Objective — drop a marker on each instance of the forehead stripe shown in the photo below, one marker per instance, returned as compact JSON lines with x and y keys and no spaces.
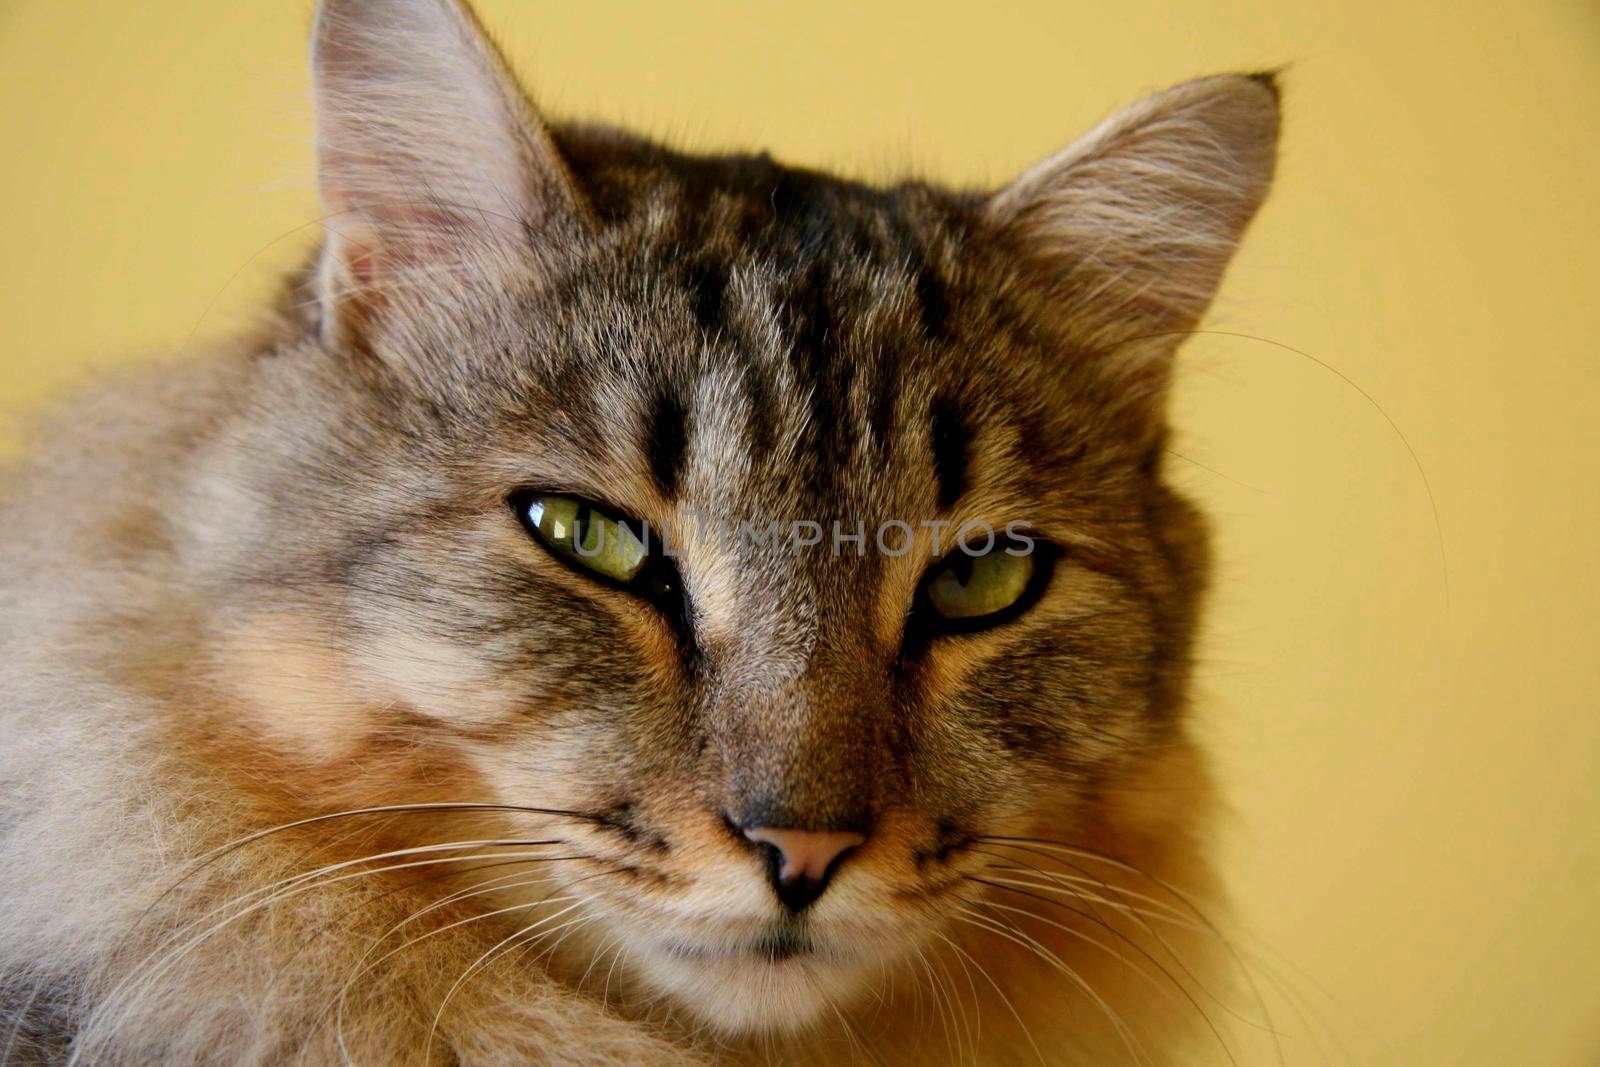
{"x":950,"y":454}
{"x":666,"y":438}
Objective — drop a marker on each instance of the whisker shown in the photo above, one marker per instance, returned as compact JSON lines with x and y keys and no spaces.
{"x":283,"y":889}
{"x":940,"y":1002}
{"x":1084,"y":853}
{"x":1012,"y":1008}
{"x":570,"y":927}
{"x":861,"y":1053}
{"x":1011,"y":886}
{"x":205,"y":859}
{"x":500,"y":883}
{"x":1171,"y":980}
{"x":362,"y":967}
{"x":472,"y":968}
{"x":1112,"y":861}
{"x":295,"y":880}
{"x":1082,"y":877}
{"x":1051,"y":885}
{"x":620,"y":954}
{"x":304,"y":881}
{"x":1020,"y":938}
{"x":478,"y":917}
{"x":1139,"y":915}
{"x":977,"y":1008}
{"x":1030,"y":866}
{"x":595,"y":957}
{"x":1177,"y":894}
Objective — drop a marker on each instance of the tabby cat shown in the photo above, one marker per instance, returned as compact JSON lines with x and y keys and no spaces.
{"x":632,"y":607}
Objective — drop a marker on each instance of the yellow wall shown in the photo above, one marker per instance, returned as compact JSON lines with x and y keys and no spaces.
{"x":1417,"y":827}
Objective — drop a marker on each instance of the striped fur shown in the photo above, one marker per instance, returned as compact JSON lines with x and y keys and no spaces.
{"x":257,"y":587}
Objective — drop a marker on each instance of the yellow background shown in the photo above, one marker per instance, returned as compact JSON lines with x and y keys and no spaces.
{"x":1416,"y":836}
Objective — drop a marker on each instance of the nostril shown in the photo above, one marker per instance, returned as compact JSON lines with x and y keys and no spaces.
{"x":806,"y":860}
{"x":799,"y":894}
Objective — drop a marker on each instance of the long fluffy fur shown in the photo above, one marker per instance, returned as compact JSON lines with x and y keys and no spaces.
{"x":311,"y":756}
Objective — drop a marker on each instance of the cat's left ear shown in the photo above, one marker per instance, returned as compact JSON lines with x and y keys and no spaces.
{"x":431,"y":160}
{"x":1125,"y":233}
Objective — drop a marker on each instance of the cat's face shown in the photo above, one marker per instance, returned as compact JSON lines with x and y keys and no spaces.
{"x":802,"y":384}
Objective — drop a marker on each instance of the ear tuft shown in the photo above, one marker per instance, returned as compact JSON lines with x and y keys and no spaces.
{"x":1127,"y":232}
{"x":1268,"y":79}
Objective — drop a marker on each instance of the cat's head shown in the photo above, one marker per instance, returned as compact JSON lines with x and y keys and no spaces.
{"x":786,"y":735}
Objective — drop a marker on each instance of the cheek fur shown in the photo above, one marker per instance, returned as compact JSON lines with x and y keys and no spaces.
{"x":294,"y":686}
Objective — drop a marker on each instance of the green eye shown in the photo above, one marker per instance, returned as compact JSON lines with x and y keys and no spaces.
{"x":968,"y":588}
{"x":585,"y":536}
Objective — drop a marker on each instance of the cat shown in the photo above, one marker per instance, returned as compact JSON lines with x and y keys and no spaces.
{"x":369,"y":696}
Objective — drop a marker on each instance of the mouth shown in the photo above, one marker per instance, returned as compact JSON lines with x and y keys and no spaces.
{"x":777,"y":977}
{"x":777,"y":944}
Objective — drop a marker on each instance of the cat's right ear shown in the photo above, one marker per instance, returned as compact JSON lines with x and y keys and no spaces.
{"x":1125,"y":234}
{"x":431,"y":161}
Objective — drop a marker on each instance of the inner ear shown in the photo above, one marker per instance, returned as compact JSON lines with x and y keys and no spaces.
{"x":1127,"y":231}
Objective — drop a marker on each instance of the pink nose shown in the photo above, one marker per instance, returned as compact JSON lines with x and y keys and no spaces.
{"x":806,"y":854}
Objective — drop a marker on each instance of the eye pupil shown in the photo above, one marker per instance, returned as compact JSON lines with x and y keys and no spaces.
{"x":962,"y":566}
{"x":589,"y":538}
{"x":588,"y":534}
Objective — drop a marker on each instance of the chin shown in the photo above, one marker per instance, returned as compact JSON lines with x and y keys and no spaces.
{"x":780,"y":981}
